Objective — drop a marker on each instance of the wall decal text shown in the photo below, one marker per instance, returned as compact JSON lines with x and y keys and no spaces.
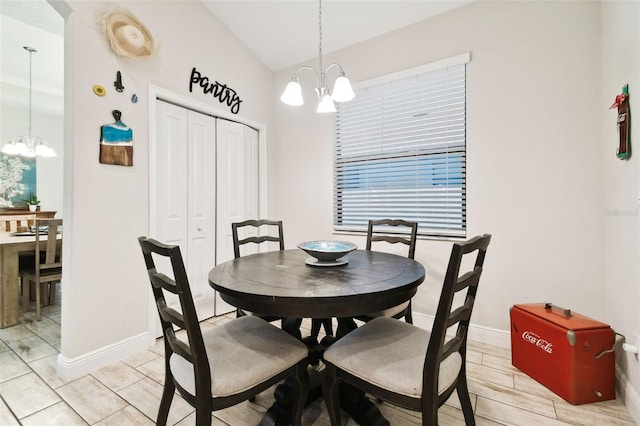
{"x":221,"y":91}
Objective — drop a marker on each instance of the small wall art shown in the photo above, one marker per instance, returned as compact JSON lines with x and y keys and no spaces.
{"x":116,"y":142}
{"x":623,"y":121}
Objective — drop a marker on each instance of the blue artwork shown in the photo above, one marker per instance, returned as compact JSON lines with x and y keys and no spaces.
{"x":116,"y":142}
{"x":17,"y":179}
{"x":116,"y":133}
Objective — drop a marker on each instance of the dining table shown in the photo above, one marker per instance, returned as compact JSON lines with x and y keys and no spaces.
{"x":289,"y":284}
{"x":11,"y":246}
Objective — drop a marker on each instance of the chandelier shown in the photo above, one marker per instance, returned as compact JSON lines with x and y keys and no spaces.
{"x":28,"y":146}
{"x":342,"y":91}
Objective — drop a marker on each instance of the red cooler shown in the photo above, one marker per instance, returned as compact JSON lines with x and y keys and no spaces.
{"x":570,"y":354}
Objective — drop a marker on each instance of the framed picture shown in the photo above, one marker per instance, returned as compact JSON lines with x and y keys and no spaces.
{"x":17,"y":180}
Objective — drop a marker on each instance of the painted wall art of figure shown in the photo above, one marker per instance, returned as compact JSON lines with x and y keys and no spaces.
{"x":116,"y":142}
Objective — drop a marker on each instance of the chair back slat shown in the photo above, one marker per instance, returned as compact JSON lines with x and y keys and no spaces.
{"x":441,"y":345}
{"x":393,"y":231}
{"x":50,"y":247}
{"x":258,"y":240}
{"x":263,"y":226}
{"x":160,"y":280}
{"x":171,"y":315}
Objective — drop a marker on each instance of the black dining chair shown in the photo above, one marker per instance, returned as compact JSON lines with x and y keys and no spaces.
{"x":392,"y":231}
{"x":261,"y":231}
{"x":223,"y":365}
{"x":406,"y":365}
{"x":264,"y":231}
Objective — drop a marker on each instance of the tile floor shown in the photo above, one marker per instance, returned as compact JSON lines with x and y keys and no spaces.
{"x":128,"y":393}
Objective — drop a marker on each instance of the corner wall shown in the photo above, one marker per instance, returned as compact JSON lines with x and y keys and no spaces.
{"x":621,"y":213}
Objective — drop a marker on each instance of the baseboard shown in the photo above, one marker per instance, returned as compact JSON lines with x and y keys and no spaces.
{"x":477,"y":333}
{"x":628,"y":395}
{"x":73,"y":368}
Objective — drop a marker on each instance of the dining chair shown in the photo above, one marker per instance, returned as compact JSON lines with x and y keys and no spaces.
{"x":392,"y":231}
{"x":46,"y":269}
{"x":261,"y":231}
{"x":406,"y":365}
{"x":16,"y":223}
{"x":264,"y":231}
{"x":223,"y":365}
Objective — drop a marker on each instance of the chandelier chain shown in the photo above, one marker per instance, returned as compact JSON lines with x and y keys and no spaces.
{"x":320,"y":33}
{"x":30,"y":72}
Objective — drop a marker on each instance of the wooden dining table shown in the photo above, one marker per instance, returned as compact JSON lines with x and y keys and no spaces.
{"x":282,"y":284}
{"x":11,"y":245}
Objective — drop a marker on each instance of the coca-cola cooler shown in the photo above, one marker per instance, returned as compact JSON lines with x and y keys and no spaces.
{"x":569,"y":353}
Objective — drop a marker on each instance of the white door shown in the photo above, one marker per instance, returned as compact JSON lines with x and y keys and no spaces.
{"x":203,"y":168}
{"x":237,"y":189}
{"x":184,"y":209}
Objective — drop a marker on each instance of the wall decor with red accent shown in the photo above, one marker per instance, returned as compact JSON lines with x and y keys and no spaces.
{"x":621,"y":103}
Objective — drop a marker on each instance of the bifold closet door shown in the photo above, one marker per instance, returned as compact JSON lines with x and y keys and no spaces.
{"x":237,"y":187}
{"x":184,"y":173}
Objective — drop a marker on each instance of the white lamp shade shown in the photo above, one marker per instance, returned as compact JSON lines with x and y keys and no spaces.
{"x":292,"y":94}
{"x":342,"y":91}
{"x":10,"y":149}
{"x":44,"y":150}
{"x":22,"y":146}
{"x":326,"y":104}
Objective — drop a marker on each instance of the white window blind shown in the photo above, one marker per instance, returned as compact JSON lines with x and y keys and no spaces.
{"x":399,"y":153}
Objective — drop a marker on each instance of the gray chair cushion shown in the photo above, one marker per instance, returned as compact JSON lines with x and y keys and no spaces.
{"x":242,"y":353}
{"x":390,"y":354}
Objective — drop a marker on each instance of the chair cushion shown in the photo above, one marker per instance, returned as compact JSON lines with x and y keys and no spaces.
{"x":242,"y":353}
{"x":390,"y":354}
{"x":391,"y":312}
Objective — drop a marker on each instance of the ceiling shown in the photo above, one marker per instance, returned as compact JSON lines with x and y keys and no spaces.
{"x":36,"y":24}
{"x":282,"y":33}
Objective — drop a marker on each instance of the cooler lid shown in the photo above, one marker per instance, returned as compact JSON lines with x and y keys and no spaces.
{"x":561,"y":317}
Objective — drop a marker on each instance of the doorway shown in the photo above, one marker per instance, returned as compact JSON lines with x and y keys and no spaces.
{"x":206,"y":170}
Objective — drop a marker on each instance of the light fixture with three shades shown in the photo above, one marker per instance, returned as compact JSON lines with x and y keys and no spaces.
{"x":342,"y":91}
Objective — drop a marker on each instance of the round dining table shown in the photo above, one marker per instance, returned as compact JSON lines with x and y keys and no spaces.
{"x":290,"y":284}
{"x":281,"y":283}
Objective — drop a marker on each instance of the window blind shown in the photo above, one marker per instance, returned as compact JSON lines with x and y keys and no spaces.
{"x":399,"y":153}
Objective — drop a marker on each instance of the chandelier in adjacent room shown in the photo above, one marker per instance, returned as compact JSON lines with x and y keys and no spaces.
{"x":27,"y":145}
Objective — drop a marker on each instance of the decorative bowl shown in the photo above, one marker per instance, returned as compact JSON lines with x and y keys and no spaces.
{"x":327,"y":250}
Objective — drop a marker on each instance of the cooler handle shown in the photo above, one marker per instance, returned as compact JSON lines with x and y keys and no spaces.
{"x":566,"y":312}
{"x":615,"y":342}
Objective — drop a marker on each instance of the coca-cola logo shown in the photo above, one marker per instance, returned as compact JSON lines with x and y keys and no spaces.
{"x":537,"y":341}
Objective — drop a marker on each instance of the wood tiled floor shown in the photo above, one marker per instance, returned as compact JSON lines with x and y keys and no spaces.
{"x":128,"y":393}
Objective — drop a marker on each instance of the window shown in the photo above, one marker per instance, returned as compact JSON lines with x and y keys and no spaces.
{"x":400,"y":151}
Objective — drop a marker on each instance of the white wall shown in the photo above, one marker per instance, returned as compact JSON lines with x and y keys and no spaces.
{"x":621,"y":65}
{"x":533,"y":157}
{"x":107,"y":206}
{"x":539,"y":176}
